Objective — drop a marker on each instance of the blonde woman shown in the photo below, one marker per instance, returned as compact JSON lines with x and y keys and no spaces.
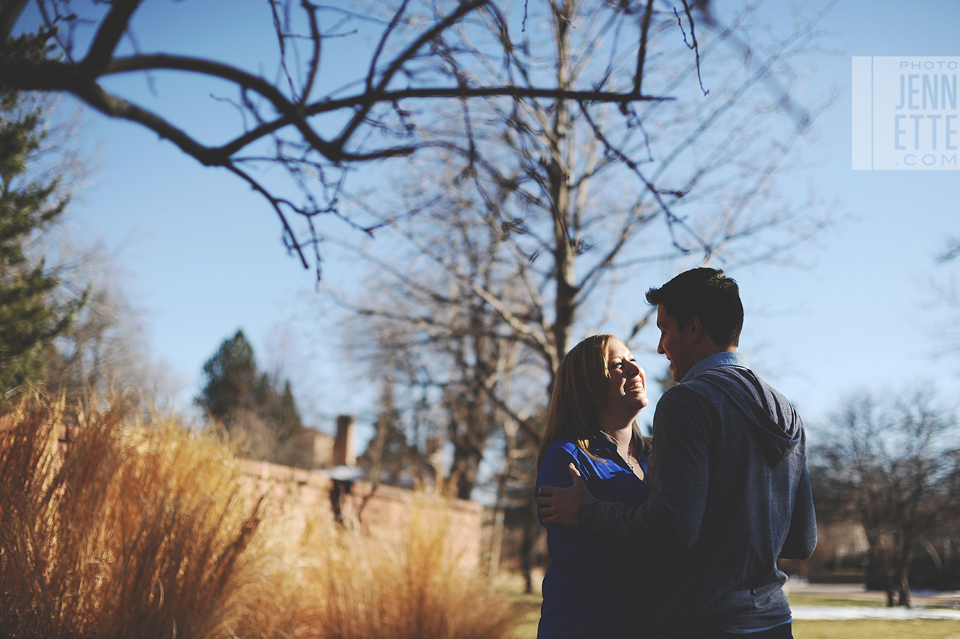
{"x":595,"y":587}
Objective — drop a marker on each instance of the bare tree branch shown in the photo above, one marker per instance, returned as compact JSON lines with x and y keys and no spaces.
{"x":109,"y":34}
{"x":410,"y":48}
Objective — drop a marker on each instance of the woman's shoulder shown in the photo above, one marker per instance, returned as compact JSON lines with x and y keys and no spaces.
{"x":560,"y":454}
{"x":562,"y":450}
{"x":553,"y":469}
{"x":568,"y":445}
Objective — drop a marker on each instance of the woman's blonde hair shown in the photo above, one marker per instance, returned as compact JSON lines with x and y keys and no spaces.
{"x":578,"y":390}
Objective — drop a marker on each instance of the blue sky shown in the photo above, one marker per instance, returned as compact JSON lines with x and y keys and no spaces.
{"x":204,"y":257}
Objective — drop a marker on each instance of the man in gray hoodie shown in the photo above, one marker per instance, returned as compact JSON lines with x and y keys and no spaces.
{"x":733,"y":493}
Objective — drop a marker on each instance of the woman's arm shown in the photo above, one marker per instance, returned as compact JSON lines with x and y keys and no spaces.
{"x":553,"y":470}
{"x":581,"y":552}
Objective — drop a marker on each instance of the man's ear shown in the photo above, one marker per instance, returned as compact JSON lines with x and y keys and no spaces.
{"x":694,"y":328}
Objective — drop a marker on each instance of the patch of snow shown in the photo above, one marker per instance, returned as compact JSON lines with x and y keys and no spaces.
{"x":835,"y":613}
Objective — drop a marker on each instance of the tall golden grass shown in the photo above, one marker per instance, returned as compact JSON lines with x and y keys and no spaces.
{"x":340,"y":585}
{"x":133,"y":532}
{"x":147,"y":529}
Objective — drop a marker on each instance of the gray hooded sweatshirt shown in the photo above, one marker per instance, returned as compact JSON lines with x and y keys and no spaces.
{"x":733,"y":494}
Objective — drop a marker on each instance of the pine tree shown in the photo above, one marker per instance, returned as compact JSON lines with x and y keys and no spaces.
{"x":247,"y":401}
{"x":389,"y":458}
{"x":233,"y":382}
{"x":30,"y":315}
{"x":286,"y":418}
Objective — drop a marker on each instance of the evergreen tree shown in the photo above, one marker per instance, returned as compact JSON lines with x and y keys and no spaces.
{"x":247,"y":401}
{"x":286,"y":418}
{"x":389,"y":457}
{"x":30,"y":315}
{"x":233,"y":382}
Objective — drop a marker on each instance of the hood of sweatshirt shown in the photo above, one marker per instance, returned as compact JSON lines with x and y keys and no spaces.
{"x":772,"y":418}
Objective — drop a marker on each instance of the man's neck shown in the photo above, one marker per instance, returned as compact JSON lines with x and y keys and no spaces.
{"x":717,"y":358}
{"x":709,"y":348}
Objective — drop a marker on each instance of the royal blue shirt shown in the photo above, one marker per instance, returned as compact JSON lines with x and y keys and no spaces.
{"x":594,"y":587}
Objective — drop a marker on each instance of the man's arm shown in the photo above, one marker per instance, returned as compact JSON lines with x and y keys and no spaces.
{"x":801,"y":539}
{"x":673,"y":516}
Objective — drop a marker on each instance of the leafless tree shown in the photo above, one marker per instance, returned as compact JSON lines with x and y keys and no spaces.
{"x":440,"y":339}
{"x":554,"y":208}
{"x":560,"y":205}
{"x":106,"y":350}
{"x":890,"y":465}
{"x":425,"y":53}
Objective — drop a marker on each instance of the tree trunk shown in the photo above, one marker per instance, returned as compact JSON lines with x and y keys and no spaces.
{"x":903,"y":572}
{"x":530,"y":533}
{"x":468,"y":429}
{"x":904,"y":598}
{"x":558,"y":173}
{"x":878,"y":574}
{"x":497,"y":542}
{"x":463,"y":471}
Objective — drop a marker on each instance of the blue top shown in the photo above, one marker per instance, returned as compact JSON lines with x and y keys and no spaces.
{"x":594,"y":587}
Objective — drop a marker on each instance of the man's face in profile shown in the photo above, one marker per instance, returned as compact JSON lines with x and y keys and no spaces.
{"x":674,"y":343}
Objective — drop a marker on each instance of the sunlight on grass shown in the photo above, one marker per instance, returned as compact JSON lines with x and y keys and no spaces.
{"x":529,"y":610}
{"x":354,"y":587}
{"x":134,"y":531}
{"x":144,"y":528}
{"x":877,"y":629}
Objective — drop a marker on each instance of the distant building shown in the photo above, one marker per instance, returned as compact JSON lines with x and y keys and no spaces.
{"x":322,"y":446}
{"x":328,"y":451}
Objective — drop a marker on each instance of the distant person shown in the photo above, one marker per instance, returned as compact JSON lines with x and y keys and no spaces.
{"x":595,"y":587}
{"x":733,"y":492}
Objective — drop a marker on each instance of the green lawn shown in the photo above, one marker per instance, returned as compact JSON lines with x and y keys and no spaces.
{"x":872,"y":629}
{"x":859,"y":629}
{"x":530,"y":605}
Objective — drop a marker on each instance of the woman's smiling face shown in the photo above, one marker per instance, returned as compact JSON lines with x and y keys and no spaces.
{"x":627,"y":381}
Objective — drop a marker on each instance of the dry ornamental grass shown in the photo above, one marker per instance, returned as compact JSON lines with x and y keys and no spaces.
{"x":145,"y":529}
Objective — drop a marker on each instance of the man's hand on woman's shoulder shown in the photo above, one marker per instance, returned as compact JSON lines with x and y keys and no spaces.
{"x":559,"y":506}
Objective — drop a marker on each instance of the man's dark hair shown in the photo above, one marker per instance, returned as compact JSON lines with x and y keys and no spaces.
{"x":707,"y":294}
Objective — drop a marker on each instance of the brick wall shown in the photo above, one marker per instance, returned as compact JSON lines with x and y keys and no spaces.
{"x":382,"y":512}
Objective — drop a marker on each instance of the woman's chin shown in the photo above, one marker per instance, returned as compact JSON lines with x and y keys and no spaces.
{"x":639,"y":401}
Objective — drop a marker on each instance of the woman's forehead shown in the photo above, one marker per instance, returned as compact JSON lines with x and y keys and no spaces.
{"x":616,"y":348}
